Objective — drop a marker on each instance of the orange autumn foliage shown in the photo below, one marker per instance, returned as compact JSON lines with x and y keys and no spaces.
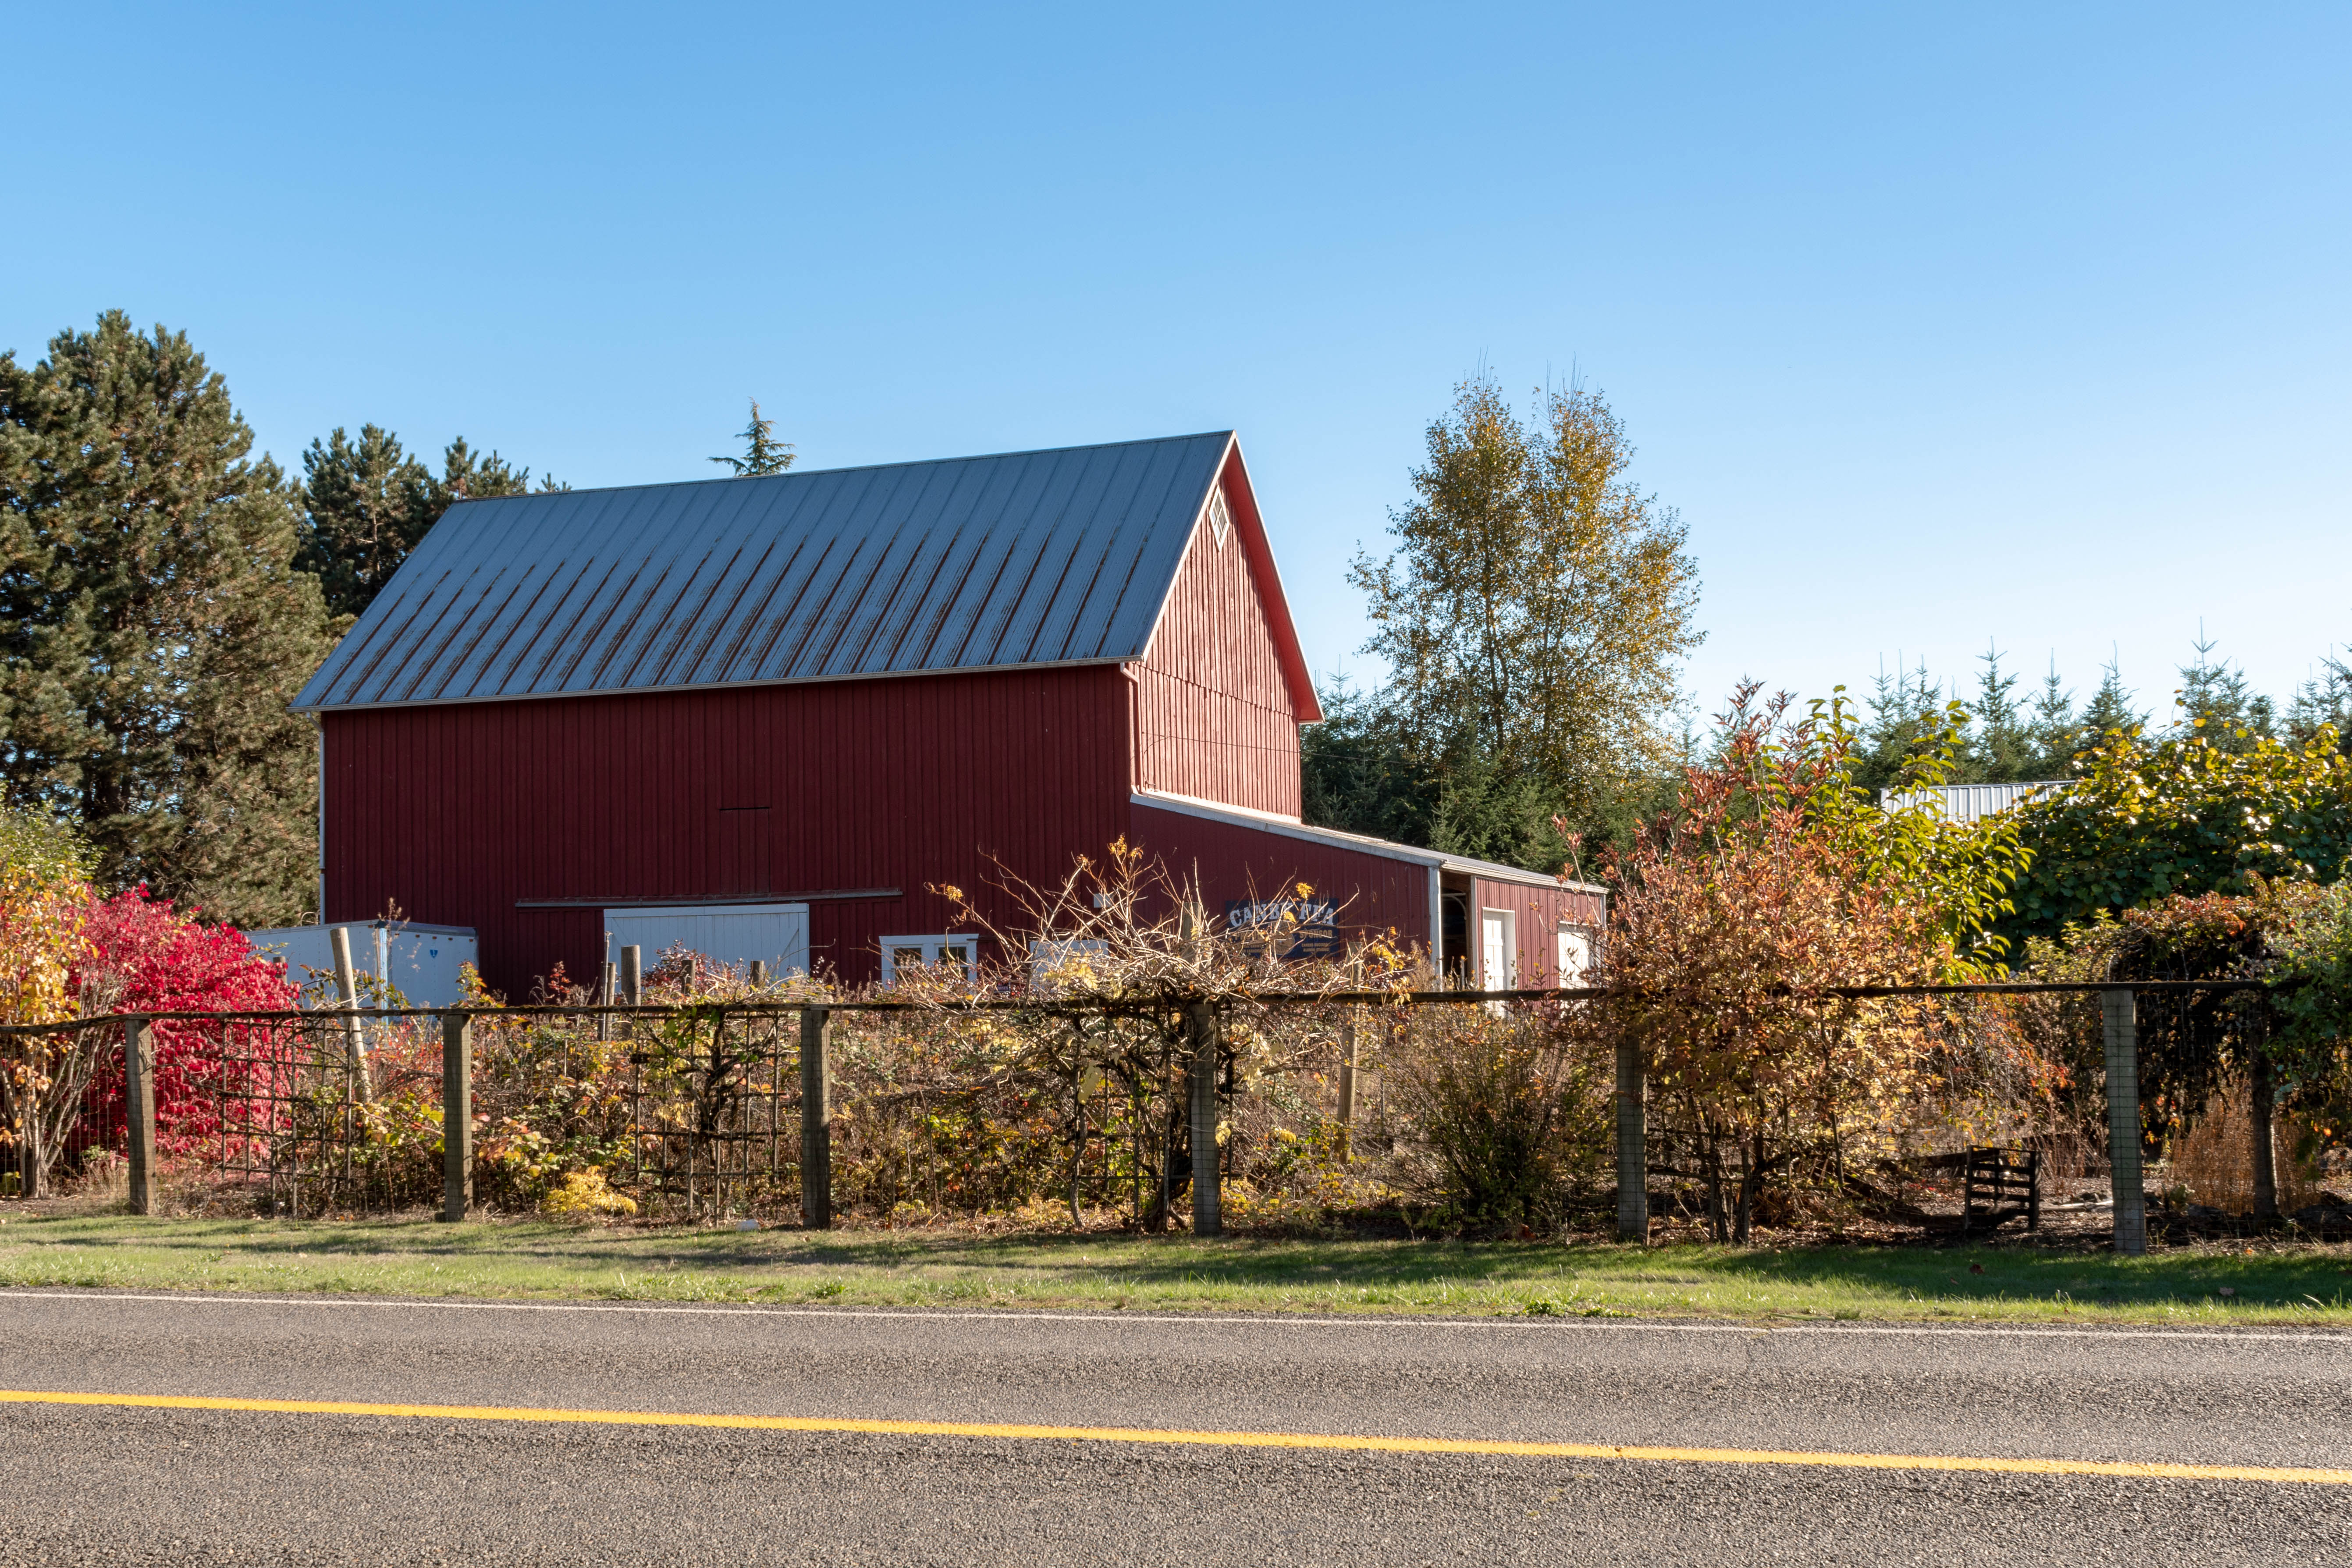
{"x":1730,"y":919}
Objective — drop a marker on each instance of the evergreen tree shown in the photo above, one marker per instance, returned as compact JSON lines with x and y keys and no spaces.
{"x":468,"y":475}
{"x":2323,"y":701}
{"x":1904,"y":707}
{"x":365,"y":507}
{"x":1362,"y":771}
{"x":2219,"y":702}
{"x":153,"y":625}
{"x":366,"y":504}
{"x":2110,"y":710}
{"x":2053,"y":732}
{"x":762,"y":453}
{"x":2001,"y":748}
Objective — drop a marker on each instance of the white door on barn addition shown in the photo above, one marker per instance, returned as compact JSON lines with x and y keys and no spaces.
{"x":1497,"y":953}
{"x":732,"y":934}
{"x":1575,"y":955}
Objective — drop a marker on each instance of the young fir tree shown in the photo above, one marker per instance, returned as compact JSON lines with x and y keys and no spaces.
{"x":1902,"y":707}
{"x":2053,"y":731}
{"x":1362,"y":771}
{"x":153,"y":625}
{"x":2110,"y":709}
{"x":2323,"y":701}
{"x":366,"y":504}
{"x":2000,"y":747}
{"x":2219,"y":702}
{"x":1365,"y":770}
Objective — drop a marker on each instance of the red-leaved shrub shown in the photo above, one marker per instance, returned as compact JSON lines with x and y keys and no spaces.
{"x":146,"y":957}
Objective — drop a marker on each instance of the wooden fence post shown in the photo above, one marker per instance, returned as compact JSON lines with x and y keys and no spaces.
{"x":1207,"y":1211}
{"x":138,"y":1109}
{"x":608,"y":992}
{"x":1632,"y":1147}
{"x":759,"y":977}
{"x":456,"y":1116}
{"x":339,"y":941}
{"x":2121,"y":1016}
{"x":1348,"y":1084}
{"x":633,"y":975}
{"x":816,"y":1120}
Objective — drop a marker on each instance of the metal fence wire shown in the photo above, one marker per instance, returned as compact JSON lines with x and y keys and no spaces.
{"x":696,"y":1111}
{"x":303,"y":1116}
{"x":693,"y":1113}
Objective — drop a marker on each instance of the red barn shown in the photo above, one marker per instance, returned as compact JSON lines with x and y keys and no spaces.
{"x":765,"y":716}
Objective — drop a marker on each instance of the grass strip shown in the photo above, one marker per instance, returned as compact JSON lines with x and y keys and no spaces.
{"x":2273,"y":1284}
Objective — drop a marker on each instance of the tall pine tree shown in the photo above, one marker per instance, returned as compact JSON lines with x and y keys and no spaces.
{"x":366,"y":504}
{"x":153,"y":625}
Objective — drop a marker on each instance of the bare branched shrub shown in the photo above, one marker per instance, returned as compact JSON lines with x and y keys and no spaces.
{"x":1506,"y":1118}
{"x":1164,"y":986}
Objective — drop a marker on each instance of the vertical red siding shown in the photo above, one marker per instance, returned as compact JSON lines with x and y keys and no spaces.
{"x":455,"y":812}
{"x":1377,"y":894}
{"x":1215,"y":717}
{"x":1541,"y":913}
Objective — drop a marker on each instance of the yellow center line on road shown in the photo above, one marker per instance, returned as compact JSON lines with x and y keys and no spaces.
{"x":2132,"y":1469}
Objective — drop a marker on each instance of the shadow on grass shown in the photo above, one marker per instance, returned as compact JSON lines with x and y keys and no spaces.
{"x":2306,"y":1276}
{"x":1958,"y":1279}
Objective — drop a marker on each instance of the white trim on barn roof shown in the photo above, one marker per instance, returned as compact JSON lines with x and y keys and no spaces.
{"x":1291,"y":828}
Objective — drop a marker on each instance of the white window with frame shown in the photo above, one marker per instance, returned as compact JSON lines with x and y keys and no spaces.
{"x":1498,"y":949}
{"x":1573,"y":949}
{"x":1221,"y":517}
{"x":929,"y":952}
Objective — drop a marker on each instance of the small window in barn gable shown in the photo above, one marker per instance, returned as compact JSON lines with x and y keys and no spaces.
{"x":1221,"y":517}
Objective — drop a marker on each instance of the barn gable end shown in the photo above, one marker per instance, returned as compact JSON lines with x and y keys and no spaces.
{"x":1222,"y":689}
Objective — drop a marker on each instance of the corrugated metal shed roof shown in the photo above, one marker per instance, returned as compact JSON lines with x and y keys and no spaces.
{"x":1026,"y":558}
{"x":1970,"y":803}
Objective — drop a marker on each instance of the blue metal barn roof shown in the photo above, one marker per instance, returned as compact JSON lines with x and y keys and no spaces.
{"x":1026,"y":558}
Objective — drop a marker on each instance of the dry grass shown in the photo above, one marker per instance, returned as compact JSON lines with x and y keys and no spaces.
{"x":2215,"y":1159}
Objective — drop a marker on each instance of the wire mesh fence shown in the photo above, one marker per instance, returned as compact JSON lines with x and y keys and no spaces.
{"x":692,"y":1114}
{"x":688,"y":1113}
{"x":1498,"y":1115}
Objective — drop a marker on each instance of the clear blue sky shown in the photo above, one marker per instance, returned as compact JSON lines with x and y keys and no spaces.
{"x":2026,"y":324}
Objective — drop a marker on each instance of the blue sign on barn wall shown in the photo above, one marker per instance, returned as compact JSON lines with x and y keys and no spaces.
{"x":1299,"y":927}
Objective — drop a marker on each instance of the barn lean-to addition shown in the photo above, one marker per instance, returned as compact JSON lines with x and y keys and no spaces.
{"x":767,"y":716}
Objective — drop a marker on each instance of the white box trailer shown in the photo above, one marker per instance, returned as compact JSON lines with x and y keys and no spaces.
{"x":418,"y":962}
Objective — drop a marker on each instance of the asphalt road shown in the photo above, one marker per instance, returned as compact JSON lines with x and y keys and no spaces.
{"x":111,"y":1484}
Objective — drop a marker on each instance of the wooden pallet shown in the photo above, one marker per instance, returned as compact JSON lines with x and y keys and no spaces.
{"x":2003,"y":1184}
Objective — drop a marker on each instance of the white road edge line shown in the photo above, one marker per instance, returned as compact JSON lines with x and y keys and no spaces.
{"x":1013,"y":1315}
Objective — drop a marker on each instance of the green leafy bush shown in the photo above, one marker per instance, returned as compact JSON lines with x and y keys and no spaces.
{"x":2187,"y":814}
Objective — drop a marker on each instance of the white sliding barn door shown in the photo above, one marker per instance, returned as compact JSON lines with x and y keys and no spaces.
{"x":732,"y":934}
